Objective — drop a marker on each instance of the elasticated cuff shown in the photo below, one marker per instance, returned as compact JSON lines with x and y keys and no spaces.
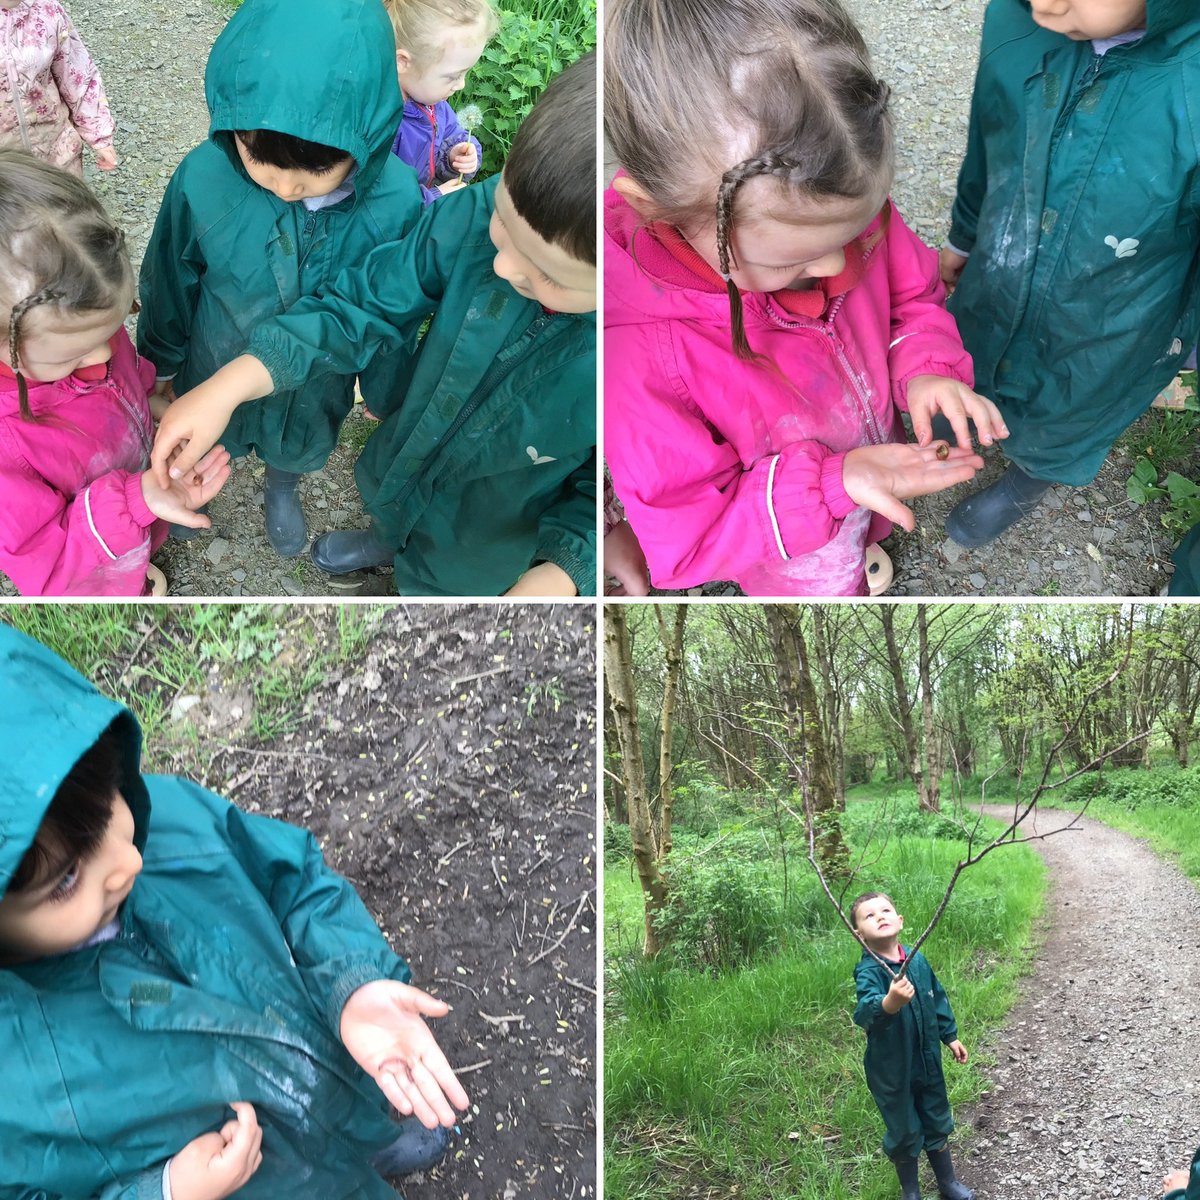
{"x":833,"y":488}
{"x":136,"y":502}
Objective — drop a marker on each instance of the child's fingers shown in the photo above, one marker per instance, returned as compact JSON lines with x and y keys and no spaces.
{"x":431,"y":1093}
{"x":922,"y":424}
{"x":427,"y":1005}
{"x":888,"y":506}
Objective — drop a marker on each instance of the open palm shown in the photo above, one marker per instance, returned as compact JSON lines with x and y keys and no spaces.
{"x":383,"y":1027}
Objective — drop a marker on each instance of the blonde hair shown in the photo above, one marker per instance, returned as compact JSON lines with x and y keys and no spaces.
{"x":418,"y":24}
{"x":790,"y":80}
{"x":57,"y":247}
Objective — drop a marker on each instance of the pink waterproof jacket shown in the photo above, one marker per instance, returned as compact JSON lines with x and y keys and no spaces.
{"x":51,"y":96}
{"x":732,"y":470}
{"x":73,"y":521}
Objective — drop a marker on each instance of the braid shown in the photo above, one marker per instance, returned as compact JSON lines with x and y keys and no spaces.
{"x":45,"y":296}
{"x":761,"y":164}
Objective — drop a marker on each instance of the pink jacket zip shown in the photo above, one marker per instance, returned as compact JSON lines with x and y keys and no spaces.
{"x":729,"y":470}
{"x":73,"y":521}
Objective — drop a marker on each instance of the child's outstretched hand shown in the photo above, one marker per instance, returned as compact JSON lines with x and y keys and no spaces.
{"x":383,"y":1028}
{"x":1176,"y":1181}
{"x":464,"y":158}
{"x":958,"y":1050}
{"x":191,"y":426}
{"x":178,"y":501}
{"x":879,"y":477}
{"x":898,"y":995}
{"x":106,"y":157}
{"x":928,"y":394}
{"x":950,"y":266}
{"x":216,"y":1165}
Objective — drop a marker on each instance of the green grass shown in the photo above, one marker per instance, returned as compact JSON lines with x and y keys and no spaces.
{"x":280,"y":653}
{"x":751,"y":1083}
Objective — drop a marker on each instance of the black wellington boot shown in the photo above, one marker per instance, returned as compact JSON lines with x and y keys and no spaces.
{"x":985,"y":515}
{"x":346,"y":550}
{"x":943,"y":1169}
{"x":416,"y":1149}
{"x":910,"y":1187}
{"x":285,"y":517}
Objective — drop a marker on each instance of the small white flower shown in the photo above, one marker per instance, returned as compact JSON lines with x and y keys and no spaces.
{"x":1125,"y":248}
{"x":537,"y":458}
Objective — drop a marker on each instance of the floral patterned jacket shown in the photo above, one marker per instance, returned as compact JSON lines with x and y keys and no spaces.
{"x":51,"y":95}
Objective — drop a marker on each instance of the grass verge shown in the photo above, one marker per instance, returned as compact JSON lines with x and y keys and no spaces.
{"x":750,"y":1083}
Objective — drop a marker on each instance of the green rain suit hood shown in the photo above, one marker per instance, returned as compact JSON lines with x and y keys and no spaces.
{"x":1079,"y":202}
{"x":904,"y":1055}
{"x":227,"y":255}
{"x":236,"y":951}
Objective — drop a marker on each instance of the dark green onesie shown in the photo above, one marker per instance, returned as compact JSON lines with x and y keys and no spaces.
{"x":904,"y":1056}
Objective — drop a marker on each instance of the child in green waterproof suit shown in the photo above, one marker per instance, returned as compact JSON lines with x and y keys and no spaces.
{"x":1074,"y":245}
{"x":906,"y":1020}
{"x":481,"y":478}
{"x":164,"y":958}
{"x":295,"y":183}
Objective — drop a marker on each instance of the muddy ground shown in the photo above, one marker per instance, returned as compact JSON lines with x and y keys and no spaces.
{"x":1093,"y":1092}
{"x":450,"y":776}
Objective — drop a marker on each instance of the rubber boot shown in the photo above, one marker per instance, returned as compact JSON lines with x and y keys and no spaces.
{"x":910,"y":1187}
{"x":943,"y":1170}
{"x":416,"y":1149}
{"x":185,"y":533}
{"x":156,"y":582}
{"x":984,"y":516}
{"x":347,"y":550}
{"x":285,"y":517}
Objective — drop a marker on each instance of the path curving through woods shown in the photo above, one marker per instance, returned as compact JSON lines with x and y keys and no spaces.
{"x":1096,"y":1086}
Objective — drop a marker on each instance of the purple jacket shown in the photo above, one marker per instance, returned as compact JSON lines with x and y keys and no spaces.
{"x":73,"y":521}
{"x":424,"y":140}
{"x":729,"y":470}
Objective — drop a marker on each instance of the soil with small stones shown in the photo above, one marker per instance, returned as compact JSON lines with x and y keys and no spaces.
{"x":152,"y":55}
{"x":1094,"y":1092}
{"x":450,"y":776}
{"x":1089,"y":541}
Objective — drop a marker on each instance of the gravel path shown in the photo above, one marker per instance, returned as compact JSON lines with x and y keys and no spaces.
{"x":1093,"y":1094}
{"x":152,"y":54}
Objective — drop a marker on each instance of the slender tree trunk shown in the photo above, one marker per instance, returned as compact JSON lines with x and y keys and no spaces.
{"x":618,"y":675}
{"x":802,"y":718}
{"x":912,"y":749}
{"x":931,"y":800}
{"x":672,"y":643}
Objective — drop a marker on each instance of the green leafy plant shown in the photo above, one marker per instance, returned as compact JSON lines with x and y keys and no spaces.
{"x":529,"y":49}
{"x":1163,"y":441}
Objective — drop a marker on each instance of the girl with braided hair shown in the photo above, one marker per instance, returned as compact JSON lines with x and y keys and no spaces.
{"x":80,"y":514}
{"x":768,"y":313}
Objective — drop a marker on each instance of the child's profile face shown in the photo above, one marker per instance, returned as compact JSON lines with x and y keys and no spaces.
{"x":780,"y":241}
{"x":877,"y":922}
{"x":291,"y":185}
{"x":66,"y":905}
{"x":55,"y":344}
{"x":1083,"y":20}
{"x":458,"y":50}
{"x":535,"y":268}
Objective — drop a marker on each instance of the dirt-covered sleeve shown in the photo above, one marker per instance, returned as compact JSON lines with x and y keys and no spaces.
{"x":868,"y":1013}
{"x":334,"y":940}
{"x":567,"y":530}
{"x":170,"y":280}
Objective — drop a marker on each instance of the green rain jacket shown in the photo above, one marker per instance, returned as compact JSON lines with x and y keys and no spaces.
{"x":906,"y":1045}
{"x":1079,"y":202}
{"x":238,"y":948}
{"x":227,"y":255}
{"x":1192,"y":1191}
{"x":485,"y":464}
